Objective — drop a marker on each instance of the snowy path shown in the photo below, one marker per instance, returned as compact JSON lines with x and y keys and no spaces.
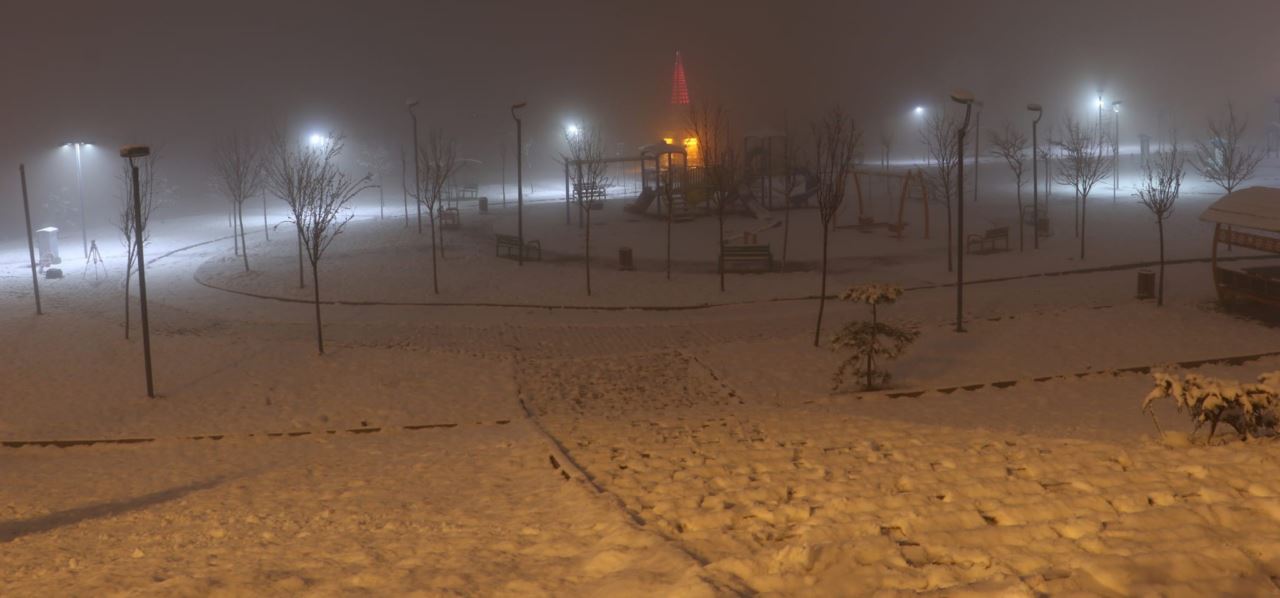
{"x":443,"y":513}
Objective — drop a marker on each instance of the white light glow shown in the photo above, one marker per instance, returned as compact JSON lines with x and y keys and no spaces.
{"x":317,"y":139}
{"x":572,"y":130}
{"x":919,"y":109}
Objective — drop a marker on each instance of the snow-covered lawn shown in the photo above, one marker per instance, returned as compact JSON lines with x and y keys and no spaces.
{"x":686,"y":452}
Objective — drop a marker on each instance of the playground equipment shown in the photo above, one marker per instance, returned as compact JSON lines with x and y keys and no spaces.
{"x":464,"y":184}
{"x":765,"y":154}
{"x":668,"y":181}
{"x":912,"y":187}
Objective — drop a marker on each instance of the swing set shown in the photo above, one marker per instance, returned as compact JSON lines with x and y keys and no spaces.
{"x":913,"y":188}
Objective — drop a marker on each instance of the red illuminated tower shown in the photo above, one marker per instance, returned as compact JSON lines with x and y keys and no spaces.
{"x":679,"y":90}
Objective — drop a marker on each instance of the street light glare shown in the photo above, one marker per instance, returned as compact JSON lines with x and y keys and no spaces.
{"x":919,"y":109}
{"x":317,"y":139}
{"x":572,"y":130}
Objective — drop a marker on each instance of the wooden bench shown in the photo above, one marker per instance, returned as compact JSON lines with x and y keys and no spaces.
{"x":450,"y":218}
{"x":591,"y":196}
{"x":987,"y":241}
{"x":511,"y":243}
{"x":746,"y":254}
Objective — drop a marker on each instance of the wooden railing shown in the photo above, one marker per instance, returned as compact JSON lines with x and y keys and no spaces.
{"x":1251,"y":286}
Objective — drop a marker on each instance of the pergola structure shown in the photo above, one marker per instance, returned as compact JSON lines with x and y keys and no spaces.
{"x":1256,"y":209}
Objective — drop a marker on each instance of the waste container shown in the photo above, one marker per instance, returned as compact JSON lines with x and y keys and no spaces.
{"x":1146,"y":284}
{"x":484,"y":205}
{"x":47,"y":245}
{"x":625,"y":261}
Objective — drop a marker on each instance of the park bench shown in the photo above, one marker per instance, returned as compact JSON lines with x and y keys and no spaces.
{"x":748,"y":255}
{"x":591,"y":196}
{"x":987,"y":241}
{"x":511,"y":245}
{"x":450,"y":218}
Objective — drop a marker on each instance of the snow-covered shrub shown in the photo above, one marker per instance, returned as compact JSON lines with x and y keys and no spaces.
{"x":1250,"y":408}
{"x":869,"y":342}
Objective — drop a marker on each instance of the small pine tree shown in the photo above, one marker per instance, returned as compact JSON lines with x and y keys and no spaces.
{"x":870,"y":343}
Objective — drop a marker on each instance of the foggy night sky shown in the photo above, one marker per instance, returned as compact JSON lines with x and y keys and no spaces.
{"x":178,"y":74}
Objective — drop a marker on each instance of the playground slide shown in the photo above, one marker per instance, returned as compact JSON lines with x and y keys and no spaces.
{"x":642,"y":201}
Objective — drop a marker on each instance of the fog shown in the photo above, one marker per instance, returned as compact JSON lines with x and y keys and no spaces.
{"x":177,"y":75}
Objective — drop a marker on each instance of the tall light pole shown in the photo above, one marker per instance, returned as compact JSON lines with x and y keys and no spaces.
{"x":84,"y":233}
{"x":1100,"y":105}
{"x":129,"y":152}
{"x":411,"y":103}
{"x":1115,"y":153}
{"x":519,"y":182}
{"x":31,"y":248}
{"x":977,"y":139}
{"x":1035,"y":188}
{"x":960,"y":97}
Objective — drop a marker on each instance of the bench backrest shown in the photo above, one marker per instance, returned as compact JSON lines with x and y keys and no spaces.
{"x":747,"y":250}
{"x":996,"y":233}
{"x":509,"y":239}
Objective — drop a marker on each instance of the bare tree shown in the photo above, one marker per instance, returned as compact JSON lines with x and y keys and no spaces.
{"x":126,"y":223}
{"x":239,"y":174}
{"x":939,"y":135}
{"x":377,"y":161}
{"x":720,"y":164}
{"x":836,"y":143}
{"x":1011,"y":144}
{"x":404,"y":185}
{"x":1222,"y":159}
{"x":1085,"y":160}
{"x":318,"y":192}
{"x":437,"y":163}
{"x":1158,"y":191}
{"x":588,"y":171}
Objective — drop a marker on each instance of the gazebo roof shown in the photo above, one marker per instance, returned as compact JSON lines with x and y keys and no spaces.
{"x":1255,"y":207}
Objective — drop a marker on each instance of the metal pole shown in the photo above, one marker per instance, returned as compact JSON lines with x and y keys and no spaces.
{"x":138,"y":234}
{"x":519,"y":183}
{"x":84,"y":233}
{"x":1115,"y":163}
{"x":31,"y":247}
{"x":1035,"y":185}
{"x":266,"y":228}
{"x":417,"y":174}
{"x":977,"y":139}
{"x":960,"y":221}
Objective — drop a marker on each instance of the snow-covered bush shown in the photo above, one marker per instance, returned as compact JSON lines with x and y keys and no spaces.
{"x":1250,"y":408}
{"x":869,"y":342}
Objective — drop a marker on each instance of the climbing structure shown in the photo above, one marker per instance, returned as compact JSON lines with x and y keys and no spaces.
{"x":679,"y":89}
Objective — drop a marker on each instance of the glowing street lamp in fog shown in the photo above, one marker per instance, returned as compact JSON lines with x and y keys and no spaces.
{"x":572,"y":130}
{"x":84,"y":231}
{"x":1115,"y":152}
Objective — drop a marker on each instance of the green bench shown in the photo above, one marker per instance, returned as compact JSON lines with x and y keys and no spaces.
{"x":987,"y":241}
{"x":511,"y":245}
{"x":748,"y":255}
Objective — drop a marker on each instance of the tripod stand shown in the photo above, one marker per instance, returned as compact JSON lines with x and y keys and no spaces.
{"x":94,"y":258}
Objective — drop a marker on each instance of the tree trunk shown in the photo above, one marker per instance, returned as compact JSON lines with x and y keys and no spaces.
{"x":1021,"y":221}
{"x":669,"y":204}
{"x":235,"y":231}
{"x":786,"y":227}
{"x":128,"y":274}
{"x":302,"y":283}
{"x":1160,"y":291}
{"x":1084,"y":206}
{"x":822,"y":296}
{"x":588,"y":250}
{"x":315,"y":287}
{"x":720,"y":244}
{"x":243,"y":244}
{"x":950,"y":259}
{"x":435,"y":281}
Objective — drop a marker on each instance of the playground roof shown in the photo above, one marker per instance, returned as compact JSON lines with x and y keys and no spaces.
{"x":1255,"y":207}
{"x":654,"y":149}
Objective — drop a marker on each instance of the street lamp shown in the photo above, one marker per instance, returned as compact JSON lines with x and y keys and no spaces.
{"x":84,"y":233}
{"x":966,"y":98}
{"x":919,"y":110}
{"x":1115,"y":153}
{"x":1101,"y":105}
{"x":572,"y":130}
{"x":977,"y":139}
{"x":411,"y":103}
{"x":519,"y":183}
{"x":129,"y":152}
{"x":1035,"y":188}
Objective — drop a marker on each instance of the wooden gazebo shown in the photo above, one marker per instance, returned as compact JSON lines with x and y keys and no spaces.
{"x":1257,"y":210}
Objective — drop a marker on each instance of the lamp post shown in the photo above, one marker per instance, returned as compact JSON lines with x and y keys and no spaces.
{"x":411,"y":103}
{"x":965,"y":98}
{"x":1115,"y":152}
{"x":1100,"y":105}
{"x":129,"y":152}
{"x":31,"y":248}
{"x":84,"y":233}
{"x":977,"y":139}
{"x":1035,"y":188}
{"x":519,"y":183}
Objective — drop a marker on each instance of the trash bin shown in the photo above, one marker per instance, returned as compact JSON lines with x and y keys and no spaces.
{"x":625,"y":261}
{"x":1146,"y":284}
{"x":47,"y":245}
{"x":484,"y":205}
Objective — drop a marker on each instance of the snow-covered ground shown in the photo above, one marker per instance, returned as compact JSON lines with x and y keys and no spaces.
{"x":481,"y":441}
